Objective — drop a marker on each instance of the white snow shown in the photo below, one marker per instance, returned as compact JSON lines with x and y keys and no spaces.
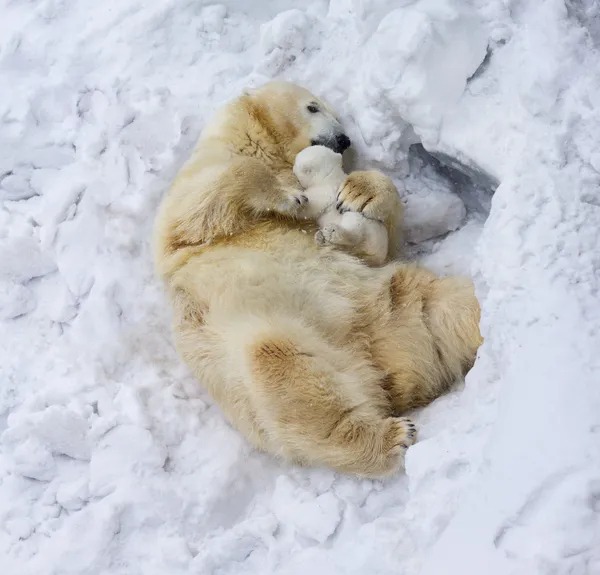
{"x":113,"y":460}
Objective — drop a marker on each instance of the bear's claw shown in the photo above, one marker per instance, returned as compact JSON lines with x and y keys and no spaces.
{"x":293,"y":202}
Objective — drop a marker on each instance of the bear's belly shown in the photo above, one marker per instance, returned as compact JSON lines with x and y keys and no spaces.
{"x":326,"y":289}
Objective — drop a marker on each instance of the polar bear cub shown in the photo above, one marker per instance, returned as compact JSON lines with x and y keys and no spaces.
{"x":319,"y":170}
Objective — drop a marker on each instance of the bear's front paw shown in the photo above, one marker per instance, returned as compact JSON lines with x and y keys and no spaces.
{"x":354,"y":198}
{"x":293,"y":202}
{"x":370,"y":193}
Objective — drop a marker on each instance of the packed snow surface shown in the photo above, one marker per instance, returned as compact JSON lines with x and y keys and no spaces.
{"x":113,"y":460}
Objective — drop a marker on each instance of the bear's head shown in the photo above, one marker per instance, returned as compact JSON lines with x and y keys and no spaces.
{"x":318,"y":165}
{"x":295,"y":119}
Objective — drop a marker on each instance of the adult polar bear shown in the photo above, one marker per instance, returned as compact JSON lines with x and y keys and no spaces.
{"x":310,"y":353}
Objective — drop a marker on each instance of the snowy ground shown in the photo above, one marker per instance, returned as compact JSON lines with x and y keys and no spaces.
{"x":114,"y":461}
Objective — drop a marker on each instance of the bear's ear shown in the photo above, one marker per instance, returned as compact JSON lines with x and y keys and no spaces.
{"x":250,"y":90}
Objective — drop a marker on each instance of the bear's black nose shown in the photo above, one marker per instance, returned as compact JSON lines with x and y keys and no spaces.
{"x":342,"y":142}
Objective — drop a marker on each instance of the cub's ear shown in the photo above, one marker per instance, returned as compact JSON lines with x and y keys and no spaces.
{"x":303,"y":169}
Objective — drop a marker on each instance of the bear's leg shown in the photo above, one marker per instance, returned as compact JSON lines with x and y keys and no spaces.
{"x":431,"y":337}
{"x":320,"y":405}
{"x":453,"y":314}
{"x":200,"y":347}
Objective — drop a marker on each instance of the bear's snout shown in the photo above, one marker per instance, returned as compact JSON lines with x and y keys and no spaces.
{"x":338,"y":143}
{"x":342,"y":143}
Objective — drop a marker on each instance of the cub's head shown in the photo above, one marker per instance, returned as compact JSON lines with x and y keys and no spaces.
{"x":295,"y":119}
{"x":318,"y":165}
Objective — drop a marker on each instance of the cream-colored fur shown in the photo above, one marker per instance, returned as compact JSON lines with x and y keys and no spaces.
{"x":319,"y":170}
{"x":310,"y":353}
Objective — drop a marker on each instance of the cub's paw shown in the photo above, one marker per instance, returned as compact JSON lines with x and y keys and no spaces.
{"x":327,"y":235}
{"x":320,"y":238}
{"x":334,"y":235}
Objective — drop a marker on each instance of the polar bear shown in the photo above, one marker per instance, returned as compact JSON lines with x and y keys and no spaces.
{"x":319,"y":171}
{"x":311,"y":354}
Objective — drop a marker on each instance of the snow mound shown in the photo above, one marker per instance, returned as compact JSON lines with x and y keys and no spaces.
{"x":430,"y":49}
{"x":112,"y":457}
